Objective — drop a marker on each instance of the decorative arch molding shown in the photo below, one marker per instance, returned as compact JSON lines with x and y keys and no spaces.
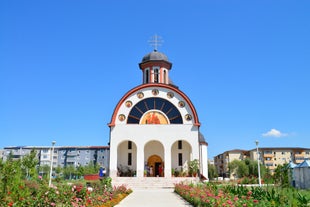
{"x":170,"y":87}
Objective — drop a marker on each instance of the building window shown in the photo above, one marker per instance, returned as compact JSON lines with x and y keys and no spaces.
{"x":129,"y":159}
{"x":147,"y":76}
{"x":179,"y":144}
{"x":180,"y":159}
{"x":156,"y":75}
{"x":129,"y":145}
{"x":165,"y":76}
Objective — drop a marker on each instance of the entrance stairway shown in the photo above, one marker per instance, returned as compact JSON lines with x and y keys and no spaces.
{"x":151,"y":182}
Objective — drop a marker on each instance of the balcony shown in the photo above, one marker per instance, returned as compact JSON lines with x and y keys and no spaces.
{"x":73,"y":153}
{"x":299,"y":155}
{"x":268,"y":162}
{"x":71,"y":160}
{"x":268,"y":155}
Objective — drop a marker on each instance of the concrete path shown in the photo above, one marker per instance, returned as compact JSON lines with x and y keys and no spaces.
{"x":153,"y":198}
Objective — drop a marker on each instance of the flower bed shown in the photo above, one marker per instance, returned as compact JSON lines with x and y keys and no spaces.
{"x":204,"y":195}
{"x":34,"y":193}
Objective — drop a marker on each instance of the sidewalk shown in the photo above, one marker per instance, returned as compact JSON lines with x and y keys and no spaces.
{"x":153,"y":198}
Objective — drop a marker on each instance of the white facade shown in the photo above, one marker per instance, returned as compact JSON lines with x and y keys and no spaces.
{"x":155,"y":126}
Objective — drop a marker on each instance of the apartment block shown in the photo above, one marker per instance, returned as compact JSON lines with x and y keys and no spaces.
{"x":1,"y":154}
{"x":62,"y":155}
{"x":271,"y":157}
{"x":221,"y":161}
{"x":82,"y":156}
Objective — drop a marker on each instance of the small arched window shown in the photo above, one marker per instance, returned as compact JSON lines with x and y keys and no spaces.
{"x":147,"y":76}
{"x":165,"y":76}
{"x":156,"y":75}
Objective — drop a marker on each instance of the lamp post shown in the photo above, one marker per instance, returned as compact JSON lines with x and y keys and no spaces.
{"x":51,"y":170}
{"x":258,"y":166}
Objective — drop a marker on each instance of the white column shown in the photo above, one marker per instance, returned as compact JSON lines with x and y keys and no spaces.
{"x":204,"y":160}
{"x":113,"y":160}
{"x":167,"y":166}
{"x":140,"y":160}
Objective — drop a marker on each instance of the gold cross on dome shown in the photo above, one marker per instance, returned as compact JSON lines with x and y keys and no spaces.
{"x":156,"y":41}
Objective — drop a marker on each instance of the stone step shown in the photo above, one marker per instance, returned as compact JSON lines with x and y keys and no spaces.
{"x":151,"y":182}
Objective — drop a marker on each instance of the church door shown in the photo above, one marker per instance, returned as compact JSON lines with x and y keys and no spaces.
{"x":155,"y":163}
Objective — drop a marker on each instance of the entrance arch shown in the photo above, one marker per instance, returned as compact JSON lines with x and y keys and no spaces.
{"x":155,"y":162}
{"x":154,"y":158}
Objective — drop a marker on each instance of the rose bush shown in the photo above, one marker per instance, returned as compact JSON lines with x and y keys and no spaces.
{"x":204,"y":195}
{"x":20,"y":185}
{"x":34,"y":193}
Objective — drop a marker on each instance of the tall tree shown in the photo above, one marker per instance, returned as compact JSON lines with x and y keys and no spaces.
{"x":29,"y":163}
{"x":212,"y":171}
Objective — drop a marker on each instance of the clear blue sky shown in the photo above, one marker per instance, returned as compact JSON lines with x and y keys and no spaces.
{"x":245,"y":65}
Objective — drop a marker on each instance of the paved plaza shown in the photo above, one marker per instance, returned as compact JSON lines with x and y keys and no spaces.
{"x":164,"y":197}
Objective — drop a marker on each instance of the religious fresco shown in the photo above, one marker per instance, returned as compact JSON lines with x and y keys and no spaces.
{"x":170,"y":95}
{"x":121,"y":117}
{"x":155,"y":92}
{"x":140,"y":95}
{"x":181,"y":104}
{"x":128,"y":104}
{"x":154,"y":117}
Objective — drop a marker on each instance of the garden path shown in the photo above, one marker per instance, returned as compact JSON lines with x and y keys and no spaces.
{"x":153,"y":198}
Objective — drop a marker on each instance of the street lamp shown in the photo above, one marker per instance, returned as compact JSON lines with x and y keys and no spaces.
{"x":51,"y":170}
{"x":258,"y":166}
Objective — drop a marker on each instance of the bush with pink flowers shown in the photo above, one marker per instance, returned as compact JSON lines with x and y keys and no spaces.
{"x":205,"y":195}
{"x":19,"y":187}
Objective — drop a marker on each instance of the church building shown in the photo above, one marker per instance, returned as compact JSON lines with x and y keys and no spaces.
{"x":154,"y":129}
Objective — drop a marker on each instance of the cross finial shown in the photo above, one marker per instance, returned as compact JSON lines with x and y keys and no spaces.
{"x":155,"y":41}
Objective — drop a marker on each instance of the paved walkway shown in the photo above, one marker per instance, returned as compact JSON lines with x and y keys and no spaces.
{"x":153,"y":198}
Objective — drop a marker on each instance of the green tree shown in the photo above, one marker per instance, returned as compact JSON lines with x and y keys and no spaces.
{"x":281,"y":175}
{"x":238,"y":168}
{"x":29,"y":163}
{"x":10,"y":175}
{"x":91,"y":168}
{"x":69,"y":172}
{"x":44,"y":171}
{"x":212,"y":171}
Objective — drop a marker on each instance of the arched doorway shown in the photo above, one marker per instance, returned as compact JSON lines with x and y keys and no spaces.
{"x":155,"y":162}
{"x":154,"y":157}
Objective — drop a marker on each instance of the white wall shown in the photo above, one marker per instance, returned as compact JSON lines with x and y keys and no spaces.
{"x":142,"y":134}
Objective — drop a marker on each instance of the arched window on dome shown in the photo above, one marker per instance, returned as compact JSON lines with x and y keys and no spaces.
{"x":165,"y":76}
{"x":147,"y":76}
{"x":156,"y":75}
